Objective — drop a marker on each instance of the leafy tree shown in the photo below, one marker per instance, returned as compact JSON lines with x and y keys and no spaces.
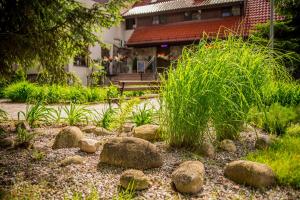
{"x":287,"y":36}
{"x":47,"y":33}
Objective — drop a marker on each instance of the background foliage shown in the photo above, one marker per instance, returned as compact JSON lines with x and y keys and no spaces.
{"x":47,"y":33}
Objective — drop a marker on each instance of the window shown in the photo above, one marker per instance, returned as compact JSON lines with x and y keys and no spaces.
{"x":236,"y":11}
{"x":194,"y":15}
{"x":227,"y":12}
{"x":80,"y":60}
{"x":161,"y":19}
{"x":187,"y":16}
{"x":130,"y":24}
{"x":155,"y":20}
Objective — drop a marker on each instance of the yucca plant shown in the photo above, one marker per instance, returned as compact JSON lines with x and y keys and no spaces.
{"x":213,"y":86}
{"x":76,"y":114}
{"x":143,"y":115}
{"x":55,"y":116}
{"x":35,"y":113}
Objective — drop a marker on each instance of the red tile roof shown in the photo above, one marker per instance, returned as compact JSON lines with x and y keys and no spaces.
{"x":257,"y":11}
{"x":185,"y":31}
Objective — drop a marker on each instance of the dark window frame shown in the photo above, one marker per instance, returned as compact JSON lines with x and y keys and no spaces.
{"x":130,"y":23}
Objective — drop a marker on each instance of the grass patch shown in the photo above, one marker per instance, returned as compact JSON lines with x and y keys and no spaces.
{"x":284,"y":158}
{"x":214,"y":85}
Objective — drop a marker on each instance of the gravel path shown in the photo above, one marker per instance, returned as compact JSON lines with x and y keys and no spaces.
{"x":13,"y":108}
{"x":52,"y":181}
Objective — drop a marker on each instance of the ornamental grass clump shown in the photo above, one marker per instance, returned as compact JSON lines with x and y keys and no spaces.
{"x":213,"y":86}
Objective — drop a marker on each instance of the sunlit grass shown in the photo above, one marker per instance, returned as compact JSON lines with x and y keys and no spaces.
{"x":214,"y":85}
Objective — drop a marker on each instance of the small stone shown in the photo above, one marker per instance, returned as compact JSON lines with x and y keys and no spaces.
{"x":264,"y":141}
{"x":189,"y":177}
{"x":68,"y":137}
{"x":7,"y":143}
{"x":228,"y":145}
{"x":147,"y":132}
{"x":88,"y":129}
{"x":128,"y":127}
{"x":207,"y":149}
{"x":7,"y":127}
{"x":72,"y":160}
{"x":88,"y":145}
{"x":102,"y":131}
{"x":250,"y":173}
{"x":135,"y":179}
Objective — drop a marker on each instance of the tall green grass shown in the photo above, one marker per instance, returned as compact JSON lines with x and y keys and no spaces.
{"x":213,"y":85}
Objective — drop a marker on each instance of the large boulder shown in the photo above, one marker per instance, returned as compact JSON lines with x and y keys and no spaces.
{"x":147,"y":132}
{"x":88,"y":145}
{"x":250,"y":173}
{"x":68,"y":137}
{"x":130,"y":152}
{"x":264,"y":141}
{"x":135,"y":179}
{"x":189,"y":177}
{"x":228,"y":145}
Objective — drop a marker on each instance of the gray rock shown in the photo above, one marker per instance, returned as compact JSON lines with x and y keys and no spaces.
{"x":147,"y":132}
{"x":130,"y":152}
{"x":228,"y":145}
{"x":88,"y":129}
{"x":7,"y":143}
{"x":264,"y":141}
{"x":102,"y":131}
{"x":128,"y":127}
{"x":207,"y":149}
{"x":189,"y":177}
{"x":250,"y":173}
{"x":72,"y":160}
{"x":135,"y":179}
{"x":88,"y":145}
{"x":68,"y":137}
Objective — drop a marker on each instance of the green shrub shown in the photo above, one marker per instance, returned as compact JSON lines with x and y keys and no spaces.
{"x":285,"y":93}
{"x":293,"y":130}
{"x":283,"y":157}
{"x":274,"y":119}
{"x":278,"y":118}
{"x":29,"y":92}
{"x":19,"y":92}
{"x":215,"y":84}
{"x":123,"y":114}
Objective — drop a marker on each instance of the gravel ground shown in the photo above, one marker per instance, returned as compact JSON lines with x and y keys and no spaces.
{"x":20,"y":173}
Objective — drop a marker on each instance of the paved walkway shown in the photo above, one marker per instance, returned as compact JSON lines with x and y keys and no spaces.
{"x":13,"y":108}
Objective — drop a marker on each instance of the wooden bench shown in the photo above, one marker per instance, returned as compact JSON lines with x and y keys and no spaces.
{"x":138,"y":85}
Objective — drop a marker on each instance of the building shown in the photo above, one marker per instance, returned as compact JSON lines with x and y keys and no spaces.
{"x":155,"y":31}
